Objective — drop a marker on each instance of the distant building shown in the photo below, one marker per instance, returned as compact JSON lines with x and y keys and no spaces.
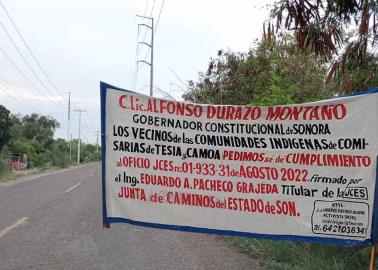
{"x":17,"y":162}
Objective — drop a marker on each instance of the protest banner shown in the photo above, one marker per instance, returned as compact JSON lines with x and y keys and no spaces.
{"x":303,"y":172}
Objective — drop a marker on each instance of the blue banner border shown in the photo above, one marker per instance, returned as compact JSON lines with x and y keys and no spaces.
{"x":314,"y":239}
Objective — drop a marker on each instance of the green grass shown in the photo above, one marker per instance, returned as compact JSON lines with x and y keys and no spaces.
{"x":283,"y":255}
{"x":8,"y":176}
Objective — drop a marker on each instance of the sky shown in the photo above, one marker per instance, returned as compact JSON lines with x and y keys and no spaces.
{"x":78,"y":43}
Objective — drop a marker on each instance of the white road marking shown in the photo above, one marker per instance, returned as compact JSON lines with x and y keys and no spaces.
{"x":72,"y":188}
{"x":12,"y":227}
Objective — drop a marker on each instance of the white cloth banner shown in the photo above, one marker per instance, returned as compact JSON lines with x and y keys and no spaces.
{"x":302,"y":172}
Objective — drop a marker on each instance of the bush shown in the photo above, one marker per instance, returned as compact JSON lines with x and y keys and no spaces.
{"x":4,"y":167}
{"x":282,"y":255}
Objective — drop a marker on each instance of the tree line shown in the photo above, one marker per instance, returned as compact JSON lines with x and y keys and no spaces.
{"x":33,"y":135}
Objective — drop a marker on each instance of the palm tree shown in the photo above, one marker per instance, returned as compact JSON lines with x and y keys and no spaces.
{"x":341,"y":32}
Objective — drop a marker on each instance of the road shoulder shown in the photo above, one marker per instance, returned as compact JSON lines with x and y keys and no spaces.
{"x":27,"y":178}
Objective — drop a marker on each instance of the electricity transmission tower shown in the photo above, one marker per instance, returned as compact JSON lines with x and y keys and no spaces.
{"x":150,"y":27}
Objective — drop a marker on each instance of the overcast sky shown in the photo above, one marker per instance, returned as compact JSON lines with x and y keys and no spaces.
{"x":82,"y":42}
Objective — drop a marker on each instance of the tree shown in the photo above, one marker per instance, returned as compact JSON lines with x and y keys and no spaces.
{"x":33,"y":135}
{"x":5,"y":125}
{"x":59,"y":153}
{"x":273,"y":73}
{"x":342,"y":32}
{"x":40,"y":128}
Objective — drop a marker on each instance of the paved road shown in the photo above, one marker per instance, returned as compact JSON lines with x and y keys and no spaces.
{"x":54,"y":221}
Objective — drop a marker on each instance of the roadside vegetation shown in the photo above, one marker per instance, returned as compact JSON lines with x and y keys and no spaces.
{"x":284,"y":255}
{"x":33,"y":135}
{"x":309,"y":50}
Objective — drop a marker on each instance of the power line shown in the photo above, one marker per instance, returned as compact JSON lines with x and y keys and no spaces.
{"x":145,"y":15}
{"x":158,"y":19}
{"x":86,"y":139}
{"x":136,"y":68}
{"x":149,"y":26}
{"x":145,"y":8}
{"x":167,"y":95}
{"x":157,"y":23}
{"x":16,"y":101}
{"x":135,"y":75}
{"x":85,"y":125}
{"x":5,"y":90}
{"x":9,"y":85}
{"x":150,"y":46}
{"x":153,"y":31}
{"x":178,"y":77}
{"x":29,"y":50}
{"x":152,"y":9}
{"x":90,"y":121}
{"x":78,"y":144}
{"x":24,"y":59}
{"x":145,"y":32}
{"x":23,"y":75}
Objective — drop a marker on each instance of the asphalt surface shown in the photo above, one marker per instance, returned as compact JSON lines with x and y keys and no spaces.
{"x":53,"y":221}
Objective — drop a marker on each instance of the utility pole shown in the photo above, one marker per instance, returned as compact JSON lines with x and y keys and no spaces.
{"x":69,"y":115}
{"x":70,"y":149}
{"x":68,"y":124}
{"x":151,"y":46}
{"x":97,"y":132}
{"x":78,"y":144}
